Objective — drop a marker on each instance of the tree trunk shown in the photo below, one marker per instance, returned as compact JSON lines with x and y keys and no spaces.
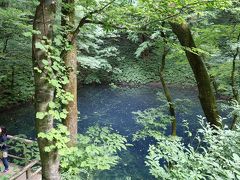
{"x":44,"y":92}
{"x":233,"y":83}
{"x":70,"y":59}
{"x":165,"y":88}
{"x":212,"y":80}
{"x":206,"y":95}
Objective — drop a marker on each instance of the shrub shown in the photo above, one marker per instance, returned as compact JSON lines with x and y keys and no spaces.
{"x":215,"y":154}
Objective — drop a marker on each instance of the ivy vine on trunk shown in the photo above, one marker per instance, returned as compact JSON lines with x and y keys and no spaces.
{"x":44,"y":92}
{"x":70,"y":59}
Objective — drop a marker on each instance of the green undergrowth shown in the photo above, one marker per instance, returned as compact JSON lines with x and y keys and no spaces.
{"x":213,"y":156}
{"x":126,"y":68}
{"x":16,"y":82}
{"x":147,"y":71}
{"x":97,"y":150}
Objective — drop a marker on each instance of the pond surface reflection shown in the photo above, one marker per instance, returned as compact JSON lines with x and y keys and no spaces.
{"x":113,"y":108}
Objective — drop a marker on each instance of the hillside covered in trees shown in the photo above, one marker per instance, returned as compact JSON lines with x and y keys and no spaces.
{"x":123,"y":89}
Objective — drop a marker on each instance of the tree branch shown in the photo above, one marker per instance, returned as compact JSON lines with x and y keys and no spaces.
{"x":85,"y":20}
{"x":181,"y":10}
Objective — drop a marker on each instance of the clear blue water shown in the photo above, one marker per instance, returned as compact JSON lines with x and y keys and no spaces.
{"x":113,"y":107}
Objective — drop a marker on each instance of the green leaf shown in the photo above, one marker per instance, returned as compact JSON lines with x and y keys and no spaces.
{"x":55,"y":83}
{"x":63,"y":115}
{"x":45,"y":62}
{"x":39,"y":45}
{"x":40,"y":115}
{"x":51,"y":105}
{"x":27,"y":34}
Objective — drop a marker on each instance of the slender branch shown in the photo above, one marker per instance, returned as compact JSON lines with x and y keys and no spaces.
{"x":85,"y":20}
{"x":101,"y":9}
{"x":164,"y":85}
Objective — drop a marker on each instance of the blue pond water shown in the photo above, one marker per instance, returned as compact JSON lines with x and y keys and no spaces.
{"x":113,"y":107}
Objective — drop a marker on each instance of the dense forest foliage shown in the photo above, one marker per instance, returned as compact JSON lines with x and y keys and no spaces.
{"x":50,"y":49}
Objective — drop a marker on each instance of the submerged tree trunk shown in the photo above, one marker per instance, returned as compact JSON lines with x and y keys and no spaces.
{"x":44,"y":92}
{"x":233,"y":83}
{"x":206,"y":94}
{"x":70,"y":59}
{"x":165,"y":88}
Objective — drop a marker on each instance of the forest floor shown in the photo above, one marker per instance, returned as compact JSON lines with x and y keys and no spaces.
{"x":13,"y":168}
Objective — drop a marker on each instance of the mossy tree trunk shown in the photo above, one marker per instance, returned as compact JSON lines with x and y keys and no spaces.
{"x":206,"y":95}
{"x":165,"y":88}
{"x":70,"y":59}
{"x":44,"y":92}
{"x":213,"y":80}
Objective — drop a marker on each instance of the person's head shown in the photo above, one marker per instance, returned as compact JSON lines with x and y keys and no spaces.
{"x":3,"y":130}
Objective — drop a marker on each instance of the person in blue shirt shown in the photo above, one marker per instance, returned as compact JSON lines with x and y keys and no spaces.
{"x":3,"y":148}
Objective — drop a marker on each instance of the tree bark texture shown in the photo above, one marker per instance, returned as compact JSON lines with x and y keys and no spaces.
{"x":206,"y":95}
{"x":44,"y":92}
{"x":70,"y":59}
{"x":212,"y":80}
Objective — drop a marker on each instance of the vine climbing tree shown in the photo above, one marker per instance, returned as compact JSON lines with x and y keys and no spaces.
{"x":70,"y":59}
{"x":44,"y":91}
{"x":55,"y":71}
